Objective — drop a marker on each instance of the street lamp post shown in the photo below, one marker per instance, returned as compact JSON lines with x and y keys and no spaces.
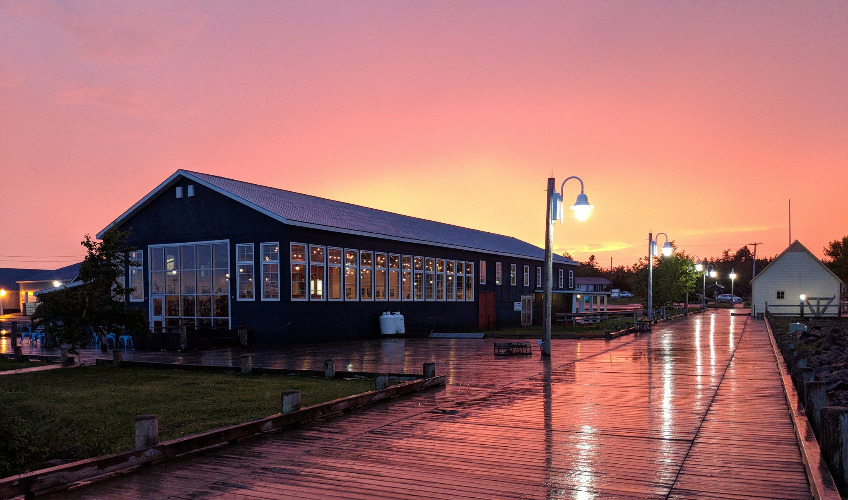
{"x":581,"y":208}
{"x":732,"y":277}
{"x":708,"y":270}
{"x":652,"y":250}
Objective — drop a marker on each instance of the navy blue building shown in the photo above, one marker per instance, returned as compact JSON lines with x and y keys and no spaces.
{"x":218,"y":253}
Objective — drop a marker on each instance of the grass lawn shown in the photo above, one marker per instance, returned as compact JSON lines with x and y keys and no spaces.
{"x":90,"y":411}
{"x":559,"y":331}
{"x":11,"y":364}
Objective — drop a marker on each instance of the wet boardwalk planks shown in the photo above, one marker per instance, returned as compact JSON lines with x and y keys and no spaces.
{"x":692,"y":410}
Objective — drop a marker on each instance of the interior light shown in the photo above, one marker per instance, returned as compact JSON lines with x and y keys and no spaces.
{"x":582,"y":208}
{"x":57,"y":284}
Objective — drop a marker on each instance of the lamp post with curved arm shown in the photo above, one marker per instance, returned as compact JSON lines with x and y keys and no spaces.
{"x":581,"y":209}
{"x":652,"y":250}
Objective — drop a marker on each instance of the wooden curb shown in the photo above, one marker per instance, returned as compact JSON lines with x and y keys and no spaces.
{"x":63,"y":476}
{"x":821,"y":482}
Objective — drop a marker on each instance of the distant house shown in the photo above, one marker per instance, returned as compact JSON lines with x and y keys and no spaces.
{"x":10,"y":300}
{"x":215,"y":253}
{"x":794,"y":274}
{"x":592,"y":295}
{"x":42,"y":280}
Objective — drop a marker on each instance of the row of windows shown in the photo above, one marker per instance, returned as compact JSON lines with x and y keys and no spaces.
{"x":326,"y":273}
{"x":513,"y":275}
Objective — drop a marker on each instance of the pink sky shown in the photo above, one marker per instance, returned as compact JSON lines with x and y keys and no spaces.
{"x":697,"y":119}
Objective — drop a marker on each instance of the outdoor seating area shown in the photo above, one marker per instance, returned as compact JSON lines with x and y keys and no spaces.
{"x":35,"y":335}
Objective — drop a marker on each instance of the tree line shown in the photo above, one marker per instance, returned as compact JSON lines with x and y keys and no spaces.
{"x":675,"y":276}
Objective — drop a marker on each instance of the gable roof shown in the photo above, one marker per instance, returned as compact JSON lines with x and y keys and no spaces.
{"x":304,"y":210}
{"x":796,"y":246}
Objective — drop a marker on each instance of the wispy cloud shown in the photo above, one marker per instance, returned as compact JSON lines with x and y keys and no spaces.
{"x":729,"y":230}
{"x":136,"y":102}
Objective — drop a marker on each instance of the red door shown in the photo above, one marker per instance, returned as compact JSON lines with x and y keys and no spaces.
{"x":487,"y":319}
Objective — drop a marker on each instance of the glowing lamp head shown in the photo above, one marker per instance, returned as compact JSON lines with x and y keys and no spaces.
{"x":803,"y":297}
{"x":581,"y":207}
{"x":2,"y":292}
{"x":732,"y":274}
{"x":698,"y":266}
{"x":713,"y":273}
{"x":57,"y":284}
{"x":666,"y":249}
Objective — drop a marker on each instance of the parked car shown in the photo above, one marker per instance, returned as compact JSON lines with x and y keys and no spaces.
{"x":726,"y":298}
{"x":625,"y":295}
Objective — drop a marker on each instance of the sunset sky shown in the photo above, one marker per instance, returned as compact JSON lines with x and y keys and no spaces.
{"x":697,"y":119}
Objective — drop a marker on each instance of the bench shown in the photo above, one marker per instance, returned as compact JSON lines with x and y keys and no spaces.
{"x":513,"y":348}
{"x":643,"y":325}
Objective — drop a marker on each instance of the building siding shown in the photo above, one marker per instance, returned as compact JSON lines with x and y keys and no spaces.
{"x":794,"y":272}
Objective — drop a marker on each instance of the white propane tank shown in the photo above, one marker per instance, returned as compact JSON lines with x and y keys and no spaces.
{"x":387,"y":324}
{"x":400,"y":328}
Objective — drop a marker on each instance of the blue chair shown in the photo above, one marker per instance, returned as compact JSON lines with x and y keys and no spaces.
{"x":26,"y":333}
{"x":95,"y":338}
{"x":111,"y":337}
{"x":37,"y":335}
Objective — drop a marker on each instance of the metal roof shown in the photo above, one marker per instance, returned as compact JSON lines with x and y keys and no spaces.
{"x":320,"y":213}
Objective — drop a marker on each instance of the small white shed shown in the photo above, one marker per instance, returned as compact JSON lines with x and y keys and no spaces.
{"x":795,"y":273}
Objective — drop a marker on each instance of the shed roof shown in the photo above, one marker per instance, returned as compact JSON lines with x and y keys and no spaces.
{"x":796,"y":246}
{"x":304,"y":210}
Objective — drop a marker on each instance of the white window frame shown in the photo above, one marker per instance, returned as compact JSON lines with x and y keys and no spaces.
{"x":513,"y":274}
{"x":398,"y":278}
{"x":418,"y":292}
{"x":265,"y":258}
{"x":370,"y":269}
{"x":526,"y":275}
{"x":136,"y":273}
{"x":561,"y":279}
{"x":469,"y":281}
{"x":340,"y":266}
{"x":459,"y":282}
{"x":570,"y":279}
{"x":498,"y":269}
{"x":312,"y":288}
{"x":245,"y":262}
{"x":354,"y":267}
{"x":429,"y":278}
{"x":482,"y":272}
{"x":780,"y":295}
{"x":294,"y":260}
{"x":538,"y":277}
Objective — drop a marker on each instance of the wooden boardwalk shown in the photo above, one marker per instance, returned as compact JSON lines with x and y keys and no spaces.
{"x":692,"y":410}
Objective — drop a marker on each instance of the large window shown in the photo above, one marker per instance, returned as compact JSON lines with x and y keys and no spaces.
{"x":380,"y":276}
{"x":270,"y":271}
{"x":450,"y":284}
{"x":526,"y":275}
{"x":538,"y":277}
{"x":244,"y":263}
{"x":460,"y":280}
{"x":430,"y":278}
{"x":189,"y":284}
{"x":469,"y":281}
{"x":570,"y":279}
{"x":366,"y":268}
{"x":418,"y":284}
{"x":394,"y":277}
{"x":440,"y":279}
{"x":136,"y":281}
{"x":334,"y":273}
{"x":297,"y":259}
{"x":316,"y":272}
{"x":351,"y":258}
{"x":406,"y":278}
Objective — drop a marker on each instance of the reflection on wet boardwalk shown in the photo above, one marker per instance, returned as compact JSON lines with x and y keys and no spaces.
{"x":692,"y":410}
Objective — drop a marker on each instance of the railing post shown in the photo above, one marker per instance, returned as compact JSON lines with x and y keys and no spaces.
{"x":291,"y":401}
{"x":429,"y":370}
{"x":381,"y":382}
{"x":329,"y":368}
{"x":815,"y":400}
{"x":117,"y":357}
{"x":146,"y":431}
{"x":834,"y":442}
{"x":246,"y":363}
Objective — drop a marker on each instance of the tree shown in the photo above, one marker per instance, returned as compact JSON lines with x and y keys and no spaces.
{"x":673,"y":277}
{"x":97,"y":300}
{"x":837,"y":261}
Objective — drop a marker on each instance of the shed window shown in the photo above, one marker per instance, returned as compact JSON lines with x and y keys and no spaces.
{"x":561,"y":278}
{"x":570,"y":279}
{"x":526,"y":275}
{"x":781,"y":294}
{"x":512,"y":274}
{"x":244,"y":263}
{"x":270,"y":271}
{"x":538,"y":277}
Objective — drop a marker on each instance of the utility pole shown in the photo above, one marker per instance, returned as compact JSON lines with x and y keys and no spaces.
{"x":755,"y":258}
